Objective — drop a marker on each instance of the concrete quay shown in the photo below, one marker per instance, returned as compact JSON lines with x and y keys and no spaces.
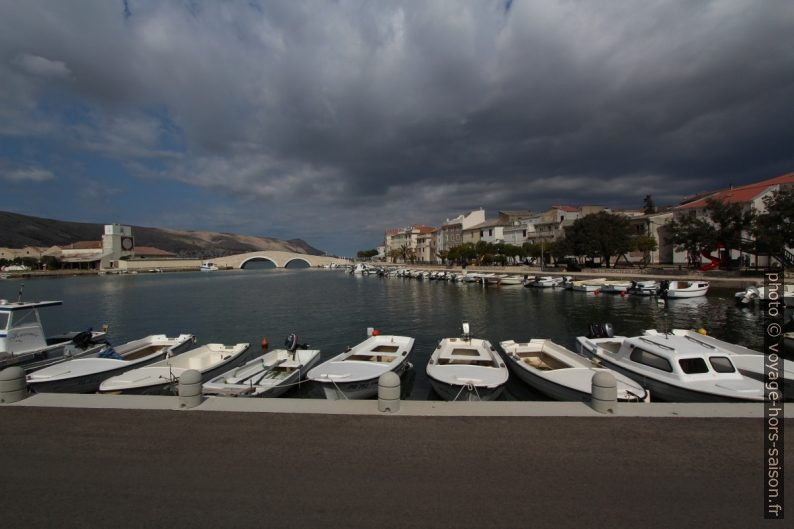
{"x":130,"y":461}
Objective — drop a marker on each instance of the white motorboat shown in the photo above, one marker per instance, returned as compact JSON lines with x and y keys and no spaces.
{"x":84,"y":374}
{"x":562,"y":374}
{"x":269,"y":375}
{"x":748,"y":361}
{"x":160,"y":377}
{"x":545,"y":282}
{"x":616,"y":287}
{"x":466,"y":369}
{"x":354,"y":373}
{"x":208,"y":267}
{"x":683,"y":289}
{"x":495,"y":279}
{"x":511,"y":280}
{"x":23,"y":342}
{"x":758,"y":294}
{"x":644,"y":288}
{"x":588,"y":285}
{"x":673,"y":368}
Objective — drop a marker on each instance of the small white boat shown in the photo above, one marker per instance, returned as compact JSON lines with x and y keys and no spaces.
{"x":511,"y":280}
{"x":588,"y":285}
{"x":269,"y":375}
{"x":354,"y":373}
{"x":616,"y":287}
{"x":644,"y":288}
{"x":208,"y":267}
{"x":758,"y":294}
{"x":546,"y":282}
{"x":748,"y":361}
{"x":683,"y":289}
{"x":84,"y":374}
{"x":209,"y":360}
{"x":562,"y":374}
{"x":495,"y":279}
{"x":674,"y":369}
{"x":23,"y":342}
{"x":466,"y":369}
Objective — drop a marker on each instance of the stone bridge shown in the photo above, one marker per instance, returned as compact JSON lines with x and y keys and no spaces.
{"x":280,"y":259}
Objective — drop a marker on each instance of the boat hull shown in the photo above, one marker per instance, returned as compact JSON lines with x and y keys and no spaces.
{"x":465,"y":392}
{"x":90,"y":382}
{"x":357,"y":389}
{"x":663,"y":391}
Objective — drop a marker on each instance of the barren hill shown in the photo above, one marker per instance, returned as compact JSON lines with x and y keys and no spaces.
{"x":17,"y":231}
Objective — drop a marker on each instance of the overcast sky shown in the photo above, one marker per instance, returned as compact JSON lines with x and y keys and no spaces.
{"x":334,"y":120}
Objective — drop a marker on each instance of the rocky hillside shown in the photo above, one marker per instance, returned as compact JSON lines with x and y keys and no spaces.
{"x":17,"y":231}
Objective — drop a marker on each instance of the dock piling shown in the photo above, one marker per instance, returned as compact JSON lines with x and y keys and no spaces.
{"x":13,"y":385}
{"x":389,"y":392}
{"x":190,"y":389}
{"x":605,"y":393}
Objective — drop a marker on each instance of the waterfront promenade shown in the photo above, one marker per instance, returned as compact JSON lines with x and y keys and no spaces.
{"x":79,"y":467}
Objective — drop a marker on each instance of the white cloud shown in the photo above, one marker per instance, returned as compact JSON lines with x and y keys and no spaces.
{"x":32,"y":174}
{"x":41,"y":66}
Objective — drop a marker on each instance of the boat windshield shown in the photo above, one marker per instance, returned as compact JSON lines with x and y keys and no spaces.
{"x":693,"y":366}
{"x":23,"y":317}
{"x":722,"y":364}
{"x":3,"y":320}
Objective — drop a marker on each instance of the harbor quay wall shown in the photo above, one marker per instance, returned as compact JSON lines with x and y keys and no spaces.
{"x":133,"y":467}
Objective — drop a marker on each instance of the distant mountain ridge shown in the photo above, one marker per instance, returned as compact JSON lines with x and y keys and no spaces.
{"x":18,"y":231}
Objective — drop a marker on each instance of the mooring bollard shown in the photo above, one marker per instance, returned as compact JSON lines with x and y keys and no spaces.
{"x":190,"y":389}
{"x":605,"y":393}
{"x":13,"y":385}
{"x":389,"y":392}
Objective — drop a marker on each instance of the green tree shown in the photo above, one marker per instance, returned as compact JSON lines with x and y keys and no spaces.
{"x":774,"y":229}
{"x":731,"y":222}
{"x":692,"y":235}
{"x":49,"y":262}
{"x":601,"y":235}
{"x":648,"y":206}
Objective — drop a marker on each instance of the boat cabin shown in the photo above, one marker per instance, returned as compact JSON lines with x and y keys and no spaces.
{"x":20,"y":326}
{"x":678,"y":356}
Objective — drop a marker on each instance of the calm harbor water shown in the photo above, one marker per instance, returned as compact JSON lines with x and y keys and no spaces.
{"x":330,"y":310}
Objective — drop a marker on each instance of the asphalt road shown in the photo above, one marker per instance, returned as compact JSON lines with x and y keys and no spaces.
{"x":150,"y":469}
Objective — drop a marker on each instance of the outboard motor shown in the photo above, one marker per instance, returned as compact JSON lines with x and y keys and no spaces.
{"x":291,"y":343}
{"x":83,"y":339}
{"x":600,"y":330}
{"x":664,"y":286}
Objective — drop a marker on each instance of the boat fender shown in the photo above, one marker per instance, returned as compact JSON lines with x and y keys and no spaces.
{"x":264,"y":344}
{"x":702,"y":331}
{"x":375,"y":332}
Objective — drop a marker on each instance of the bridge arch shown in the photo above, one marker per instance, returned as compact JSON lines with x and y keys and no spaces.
{"x":300,"y":259}
{"x":258,"y":258}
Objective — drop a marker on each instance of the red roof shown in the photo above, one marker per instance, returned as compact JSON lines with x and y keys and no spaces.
{"x":569,"y":209}
{"x":84,"y":245}
{"x":740,"y":194}
{"x":424,"y":229}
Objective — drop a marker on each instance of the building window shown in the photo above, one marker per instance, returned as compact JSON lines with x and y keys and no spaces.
{"x":481,"y":233}
{"x":490,"y":233}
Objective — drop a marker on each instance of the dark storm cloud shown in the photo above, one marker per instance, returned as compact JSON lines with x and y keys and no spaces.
{"x":370,"y":114}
